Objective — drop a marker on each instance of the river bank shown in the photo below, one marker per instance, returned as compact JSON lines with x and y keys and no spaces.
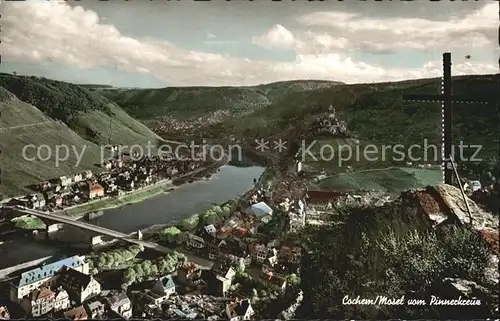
{"x":149,"y":216}
{"x":136,"y":196}
{"x":153,"y":230}
{"x":185,"y":200}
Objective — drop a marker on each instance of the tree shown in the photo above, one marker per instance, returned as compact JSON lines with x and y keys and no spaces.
{"x":139,"y":272}
{"x":109,"y":260}
{"x":226,"y":211}
{"x":101,"y":262}
{"x":170,"y":234}
{"x":154,"y":270}
{"x":129,"y":276}
{"x":161,"y":265}
{"x":216,"y":209}
{"x":181,"y":258}
{"x":210,"y":218}
{"x":136,"y":249}
{"x":191,"y":222}
{"x":293,"y":279}
{"x":117,"y":258}
{"x":146,"y":267}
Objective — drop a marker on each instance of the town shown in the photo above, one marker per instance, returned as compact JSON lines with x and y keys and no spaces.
{"x":254,"y":267}
{"x":302,"y":162}
{"x":122,"y":174}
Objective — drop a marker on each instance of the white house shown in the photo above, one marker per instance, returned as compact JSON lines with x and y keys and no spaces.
{"x":261,"y":251}
{"x":33,"y":279}
{"x":95,"y":309}
{"x":241,"y":262}
{"x":238,"y":311}
{"x":61,"y":301}
{"x":38,"y":302}
{"x":296,"y":222}
{"x":64,"y":181}
{"x":80,"y":286}
{"x":77,"y":178}
{"x":195,"y":241}
{"x":120,"y":304}
{"x":260,"y":209}
{"x":210,"y":229}
{"x":161,"y":291}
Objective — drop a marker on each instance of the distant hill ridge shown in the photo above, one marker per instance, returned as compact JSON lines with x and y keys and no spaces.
{"x":40,"y":111}
{"x":196,"y":101}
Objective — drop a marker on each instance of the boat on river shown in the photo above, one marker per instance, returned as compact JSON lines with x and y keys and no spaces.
{"x":93,"y":215}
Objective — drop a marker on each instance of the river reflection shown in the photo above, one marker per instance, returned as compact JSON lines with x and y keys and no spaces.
{"x":186,"y":200}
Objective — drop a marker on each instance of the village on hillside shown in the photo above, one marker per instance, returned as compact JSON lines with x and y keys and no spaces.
{"x":254,"y":268}
{"x":120,"y":175}
{"x":251,"y":245}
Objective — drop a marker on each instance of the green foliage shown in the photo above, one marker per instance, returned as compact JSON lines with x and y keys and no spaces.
{"x":150,"y":269}
{"x":197,"y":101}
{"x":293,"y":279}
{"x":377,"y":114}
{"x":487,"y":170}
{"x":53,"y":114}
{"x":383,"y":251}
{"x":226,"y":211}
{"x":216,"y":214}
{"x":28,"y":223}
{"x":391,"y":180}
{"x":210,"y":218}
{"x":275,"y":227}
{"x":116,"y":258}
{"x":191,"y":222}
{"x":129,"y":276}
{"x":467,"y":254}
{"x":170,"y":234}
{"x":57,"y":99}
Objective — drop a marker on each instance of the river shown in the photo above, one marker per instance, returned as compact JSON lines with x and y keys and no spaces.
{"x":185,"y":200}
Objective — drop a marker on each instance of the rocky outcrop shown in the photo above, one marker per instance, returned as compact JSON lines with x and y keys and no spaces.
{"x":290,"y":312}
{"x":444,"y":204}
{"x":6,"y":95}
{"x":453,"y":199}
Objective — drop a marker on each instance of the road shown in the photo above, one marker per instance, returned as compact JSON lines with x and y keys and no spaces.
{"x":26,"y":125}
{"x":118,"y":235}
{"x":93,"y":228}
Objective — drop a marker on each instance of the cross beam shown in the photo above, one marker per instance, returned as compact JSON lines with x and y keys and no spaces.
{"x":447,"y":99}
{"x":458,"y":99}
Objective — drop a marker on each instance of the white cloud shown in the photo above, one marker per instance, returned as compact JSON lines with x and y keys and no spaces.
{"x":477,"y":30}
{"x":74,"y":37}
{"x":277,"y":37}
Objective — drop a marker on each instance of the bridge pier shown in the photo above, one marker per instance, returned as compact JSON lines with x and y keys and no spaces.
{"x":96,"y":241}
{"x":53,"y":229}
{"x":73,"y":230}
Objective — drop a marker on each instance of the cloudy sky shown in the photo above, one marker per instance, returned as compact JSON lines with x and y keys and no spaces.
{"x":189,"y":43}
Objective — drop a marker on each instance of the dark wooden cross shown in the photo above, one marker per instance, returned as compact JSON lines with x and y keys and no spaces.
{"x":447,"y":100}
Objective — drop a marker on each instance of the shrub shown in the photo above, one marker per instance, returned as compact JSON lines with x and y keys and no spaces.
{"x":381,"y":251}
